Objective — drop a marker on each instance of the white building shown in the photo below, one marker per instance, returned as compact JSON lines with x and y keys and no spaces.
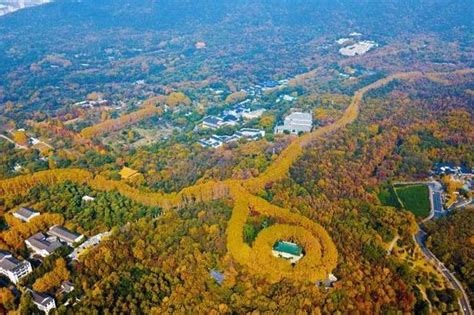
{"x":65,"y":235}
{"x":43,"y":301}
{"x":25,"y":214}
{"x":87,"y":198}
{"x":13,"y":268}
{"x":327,"y":283}
{"x":212,"y":122}
{"x":251,"y":133}
{"x":253,"y":114}
{"x":42,"y":245}
{"x":295,"y":123}
{"x":287,"y":250}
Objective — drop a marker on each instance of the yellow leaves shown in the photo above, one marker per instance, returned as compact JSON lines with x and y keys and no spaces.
{"x":201,"y":214}
{"x":139,"y":250}
{"x":320,"y":113}
{"x":54,"y":278}
{"x":6,"y":296}
{"x":20,"y":185}
{"x":116,"y":124}
{"x":15,"y":236}
{"x":94,"y":96}
{"x":213,"y":229}
{"x":321,"y":254}
{"x":373,"y":129}
{"x":20,"y":137}
{"x":176,"y":98}
{"x":236,"y":97}
{"x":413,"y":140}
{"x":267,"y":120}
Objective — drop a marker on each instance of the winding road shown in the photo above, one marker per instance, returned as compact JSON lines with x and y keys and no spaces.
{"x":420,"y":238}
{"x":322,"y":257}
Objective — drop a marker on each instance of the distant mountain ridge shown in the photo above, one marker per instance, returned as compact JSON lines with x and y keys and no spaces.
{"x":245,"y":32}
{"x":10,"y":6}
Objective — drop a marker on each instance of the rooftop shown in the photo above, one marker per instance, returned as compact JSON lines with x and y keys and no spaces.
{"x":40,"y":242}
{"x":64,"y":234}
{"x":26,"y":212}
{"x":8,"y":262}
{"x":40,"y":298}
{"x":288,"y":247}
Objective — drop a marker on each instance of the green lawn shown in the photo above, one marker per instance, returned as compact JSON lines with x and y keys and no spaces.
{"x":415,"y":198}
{"x":388,"y":197}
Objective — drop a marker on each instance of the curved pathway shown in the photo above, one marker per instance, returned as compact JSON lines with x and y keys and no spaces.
{"x":321,"y":255}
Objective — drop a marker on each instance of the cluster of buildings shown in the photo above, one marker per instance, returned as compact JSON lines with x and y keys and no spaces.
{"x":261,"y":87}
{"x":441,"y":169}
{"x":458,"y":183}
{"x":295,"y":123}
{"x":216,"y":141}
{"x":42,"y":245}
{"x":232,"y":117}
{"x":92,"y":104}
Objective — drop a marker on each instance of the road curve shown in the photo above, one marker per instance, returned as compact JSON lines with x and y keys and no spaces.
{"x":420,"y":238}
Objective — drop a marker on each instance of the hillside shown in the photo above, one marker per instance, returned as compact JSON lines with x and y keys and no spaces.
{"x":98,"y":44}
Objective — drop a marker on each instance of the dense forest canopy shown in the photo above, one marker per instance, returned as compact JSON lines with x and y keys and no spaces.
{"x":152,"y":129}
{"x":110,"y":37}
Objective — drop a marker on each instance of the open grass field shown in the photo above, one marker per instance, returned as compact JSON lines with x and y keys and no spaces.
{"x":415,"y":198}
{"x":388,"y":197}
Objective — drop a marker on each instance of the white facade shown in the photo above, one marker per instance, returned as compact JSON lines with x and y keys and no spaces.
{"x":43,"y":302}
{"x":42,"y":245}
{"x":295,"y":123}
{"x":290,"y":257}
{"x":13,"y":268}
{"x":253,"y":114}
{"x":25,"y":214}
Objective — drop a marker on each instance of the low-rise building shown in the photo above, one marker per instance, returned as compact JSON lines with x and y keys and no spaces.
{"x":253,"y":114}
{"x":216,"y":141}
{"x":212,"y":122}
{"x":251,"y":133}
{"x":42,"y":245}
{"x":87,"y":198}
{"x":43,"y":301}
{"x":13,"y":268}
{"x":67,"y":287}
{"x":327,"y":283}
{"x":295,"y":123}
{"x":91,"y":242}
{"x":287,"y":250}
{"x":65,"y":235}
{"x":25,"y":214}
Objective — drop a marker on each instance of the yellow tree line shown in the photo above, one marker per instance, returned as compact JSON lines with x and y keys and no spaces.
{"x":116,"y":124}
{"x":20,"y":185}
{"x":321,"y":253}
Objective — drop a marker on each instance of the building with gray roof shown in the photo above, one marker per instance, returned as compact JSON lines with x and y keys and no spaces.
{"x":42,"y":245}
{"x":13,"y":268}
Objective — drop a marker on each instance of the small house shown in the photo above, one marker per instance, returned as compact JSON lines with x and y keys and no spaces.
{"x":212,"y":122}
{"x":42,"y":245}
{"x":287,"y":250}
{"x":65,"y":235}
{"x":25,"y":214}
{"x":43,"y":301}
